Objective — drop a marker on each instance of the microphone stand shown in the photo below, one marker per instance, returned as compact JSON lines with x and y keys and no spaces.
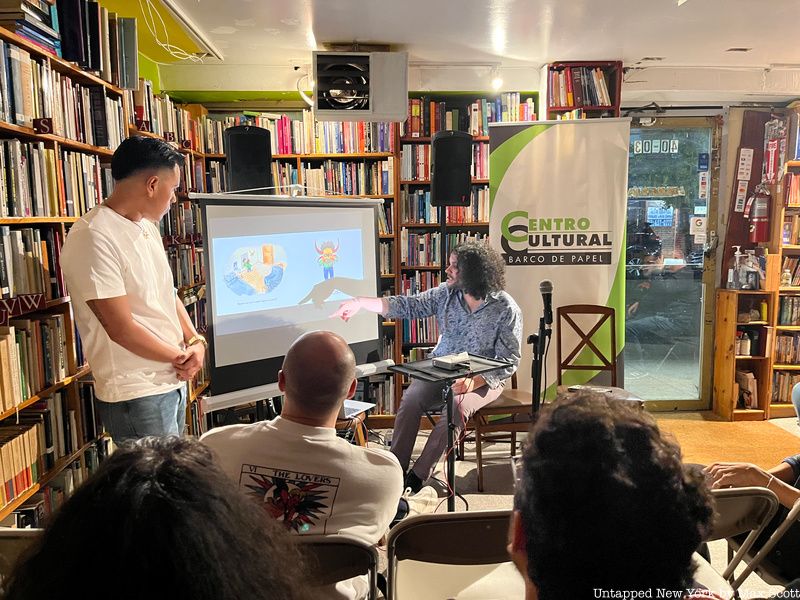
{"x":539,"y":343}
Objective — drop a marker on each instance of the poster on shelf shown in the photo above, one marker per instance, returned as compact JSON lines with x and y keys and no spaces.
{"x":558,"y":202}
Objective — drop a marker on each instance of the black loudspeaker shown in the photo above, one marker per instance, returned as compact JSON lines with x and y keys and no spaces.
{"x":249,"y":155}
{"x":451,"y":158}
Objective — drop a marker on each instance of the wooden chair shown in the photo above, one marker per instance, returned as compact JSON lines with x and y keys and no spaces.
{"x":509,"y":414}
{"x":565,"y":315}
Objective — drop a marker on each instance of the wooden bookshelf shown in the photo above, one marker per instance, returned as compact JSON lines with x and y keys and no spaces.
{"x":563,"y":79}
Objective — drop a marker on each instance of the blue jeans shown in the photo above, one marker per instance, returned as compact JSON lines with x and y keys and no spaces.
{"x":160,"y":415}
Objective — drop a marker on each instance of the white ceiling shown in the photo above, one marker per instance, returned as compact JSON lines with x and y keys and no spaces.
{"x":519,"y":35}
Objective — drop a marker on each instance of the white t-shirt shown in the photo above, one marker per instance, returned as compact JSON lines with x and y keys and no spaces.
{"x":311,"y":480}
{"x":106,"y":255}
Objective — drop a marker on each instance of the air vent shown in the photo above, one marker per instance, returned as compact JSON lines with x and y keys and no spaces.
{"x":361,"y":86}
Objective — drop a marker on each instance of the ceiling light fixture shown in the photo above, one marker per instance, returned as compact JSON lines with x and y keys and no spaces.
{"x":497,"y":81}
{"x":192,"y":29}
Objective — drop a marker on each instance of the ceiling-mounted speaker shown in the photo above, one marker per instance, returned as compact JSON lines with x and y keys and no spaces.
{"x":360,"y":86}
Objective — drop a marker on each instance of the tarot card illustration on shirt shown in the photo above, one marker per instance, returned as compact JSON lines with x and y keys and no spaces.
{"x":303,"y":502}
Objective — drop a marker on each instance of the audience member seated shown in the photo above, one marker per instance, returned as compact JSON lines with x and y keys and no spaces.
{"x":306,"y":477}
{"x":159,"y":519}
{"x":784,"y":480}
{"x":604,"y":504}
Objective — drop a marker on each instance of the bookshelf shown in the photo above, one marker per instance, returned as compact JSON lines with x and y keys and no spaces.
{"x":583,"y":89}
{"x":53,"y":168}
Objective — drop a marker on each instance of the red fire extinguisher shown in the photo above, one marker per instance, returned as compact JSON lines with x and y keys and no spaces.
{"x":757,"y":210}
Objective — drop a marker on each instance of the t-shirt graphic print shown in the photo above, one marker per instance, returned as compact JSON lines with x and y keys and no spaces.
{"x":303,"y":502}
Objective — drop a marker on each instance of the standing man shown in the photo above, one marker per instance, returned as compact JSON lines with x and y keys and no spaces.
{"x":139,"y":340}
{"x":474,"y":315}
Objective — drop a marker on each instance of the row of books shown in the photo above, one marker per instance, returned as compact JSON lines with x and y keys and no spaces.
{"x":193,"y":174}
{"x":787,"y":348}
{"x":187,"y":264}
{"x":420,"y":331}
{"x":452,"y":240}
{"x":791,"y":190}
{"x":782,"y":384}
{"x":33,"y":357}
{"x":299,"y":133}
{"x":576,"y":113}
{"x":789,"y":310}
{"x":415,"y":161}
{"x":197,"y":421}
{"x":351,"y":178}
{"x":791,"y":229}
{"x":419,"y":281}
{"x":160,"y":115}
{"x":386,"y":258}
{"x":99,"y":40}
{"x":32,"y":89}
{"x":195,"y":302}
{"x":427,"y":116}
{"x":385,"y":219}
{"x":415,"y":207}
{"x":35,"y":181}
{"x":284,"y":175}
{"x":577,"y":87}
{"x":217,"y":176}
{"x":792,"y":264}
{"x":29,"y":262}
{"x":184,"y":220}
{"x":420,"y":249}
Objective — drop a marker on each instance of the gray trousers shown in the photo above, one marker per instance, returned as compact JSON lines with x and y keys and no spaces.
{"x":420,"y":397}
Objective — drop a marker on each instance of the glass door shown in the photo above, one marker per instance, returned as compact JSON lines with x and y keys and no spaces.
{"x":672,"y":189}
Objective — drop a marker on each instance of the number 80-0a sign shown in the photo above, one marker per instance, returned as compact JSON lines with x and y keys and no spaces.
{"x":655,"y":146}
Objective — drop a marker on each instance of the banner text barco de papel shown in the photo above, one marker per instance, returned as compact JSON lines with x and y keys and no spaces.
{"x":553,"y":241}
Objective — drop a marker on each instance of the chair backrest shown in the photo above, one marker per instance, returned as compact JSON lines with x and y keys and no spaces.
{"x":608,"y":359}
{"x":741,"y":510}
{"x":13,"y":543}
{"x":459,"y":538}
{"x":339,"y":557}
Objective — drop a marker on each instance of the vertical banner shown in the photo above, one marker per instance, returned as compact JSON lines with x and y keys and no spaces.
{"x":558,"y":197}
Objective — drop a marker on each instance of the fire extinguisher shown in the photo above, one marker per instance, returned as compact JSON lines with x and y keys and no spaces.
{"x":757,"y":210}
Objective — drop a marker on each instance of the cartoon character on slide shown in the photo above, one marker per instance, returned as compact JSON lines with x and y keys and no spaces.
{"x":327,"y":257}
{"x":273,"y":278}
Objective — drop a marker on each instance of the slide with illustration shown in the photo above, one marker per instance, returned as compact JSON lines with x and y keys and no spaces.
{"x":256,"y":273}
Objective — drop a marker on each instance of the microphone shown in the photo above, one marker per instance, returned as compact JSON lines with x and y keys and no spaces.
{"x":546,"y":288}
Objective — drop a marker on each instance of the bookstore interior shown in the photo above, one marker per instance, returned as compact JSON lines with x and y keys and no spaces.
{"x":306,"y":139}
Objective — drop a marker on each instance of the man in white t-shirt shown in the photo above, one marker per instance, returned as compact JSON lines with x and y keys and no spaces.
{"x":307,"y":477}
{"x":137,"y":336}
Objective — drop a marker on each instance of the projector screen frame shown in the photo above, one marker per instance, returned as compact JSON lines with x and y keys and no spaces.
{"x":368,"y":351}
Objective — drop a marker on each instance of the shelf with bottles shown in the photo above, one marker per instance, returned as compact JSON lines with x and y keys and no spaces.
{"x":744,"y":343}
{"x":581,"y":89}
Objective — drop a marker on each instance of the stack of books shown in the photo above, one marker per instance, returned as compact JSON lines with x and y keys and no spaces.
{"x":35,"y":20}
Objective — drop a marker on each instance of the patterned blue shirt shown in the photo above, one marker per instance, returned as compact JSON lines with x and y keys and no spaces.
{"x":494,"y":330}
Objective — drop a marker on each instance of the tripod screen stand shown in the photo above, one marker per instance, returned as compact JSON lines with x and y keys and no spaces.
{"x":425,"y":371}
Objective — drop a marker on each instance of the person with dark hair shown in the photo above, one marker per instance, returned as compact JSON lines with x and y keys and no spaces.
{"x":474,"y":315}
{"x":604,"y":504}
{"x":159,"y":519}
{"x":137,"y":336}
{"x":304,"y":475}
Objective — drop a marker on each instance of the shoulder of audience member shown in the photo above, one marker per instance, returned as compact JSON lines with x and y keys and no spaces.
{"x":225,"y":432}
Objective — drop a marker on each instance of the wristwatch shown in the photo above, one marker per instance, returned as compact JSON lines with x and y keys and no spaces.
{"x":197,"y":339}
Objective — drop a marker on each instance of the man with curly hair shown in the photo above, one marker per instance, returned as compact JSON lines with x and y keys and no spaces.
{"x":604,"y":505}
{"x":474,"y":315}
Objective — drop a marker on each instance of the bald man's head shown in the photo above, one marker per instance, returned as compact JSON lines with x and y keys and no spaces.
{"x":318,"y":371}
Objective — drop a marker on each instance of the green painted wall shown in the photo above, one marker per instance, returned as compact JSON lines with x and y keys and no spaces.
{"x":149,"y":70}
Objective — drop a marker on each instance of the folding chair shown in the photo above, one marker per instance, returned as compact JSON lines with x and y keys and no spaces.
{"x":759,"y":562}
{"x":339,"y":557}
{"x":738,"y":511}
{"x":452,"y":555}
